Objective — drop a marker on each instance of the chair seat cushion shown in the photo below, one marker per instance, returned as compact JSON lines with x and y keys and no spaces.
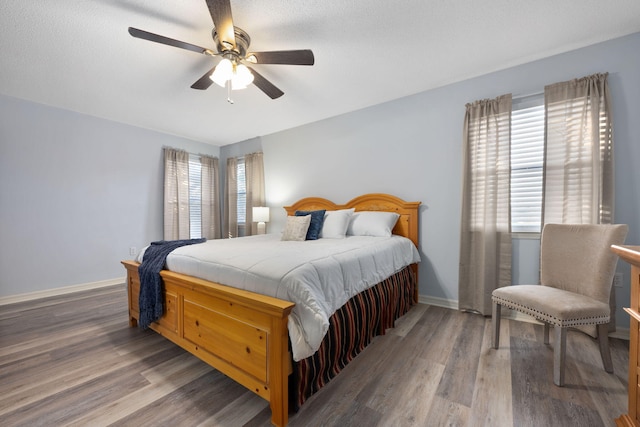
{"x":552,"y":305}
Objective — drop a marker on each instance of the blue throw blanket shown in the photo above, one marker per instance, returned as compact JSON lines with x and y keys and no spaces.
{"x":150,"y":298}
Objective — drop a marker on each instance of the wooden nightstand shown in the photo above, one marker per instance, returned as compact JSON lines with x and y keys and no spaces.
{"x":631,"y":254}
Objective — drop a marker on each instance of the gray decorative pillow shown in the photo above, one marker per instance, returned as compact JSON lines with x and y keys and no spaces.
{"x":296,"y":228}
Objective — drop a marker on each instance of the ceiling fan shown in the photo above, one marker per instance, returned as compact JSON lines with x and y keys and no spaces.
{"x":232,"y":44}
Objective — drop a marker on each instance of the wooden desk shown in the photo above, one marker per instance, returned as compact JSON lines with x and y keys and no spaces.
{"x":631,"y":254}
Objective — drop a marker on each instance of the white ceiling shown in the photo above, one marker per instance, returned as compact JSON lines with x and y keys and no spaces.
{"x":78,"y":55}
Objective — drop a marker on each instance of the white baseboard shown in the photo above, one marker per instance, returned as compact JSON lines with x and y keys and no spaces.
{"x":621,"y":333}
{"x":438,"y":302}
{"x":11,"y":299}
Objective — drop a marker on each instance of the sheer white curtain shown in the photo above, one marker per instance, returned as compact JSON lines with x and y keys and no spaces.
{"x":578,"y":179}
{"x":176,"y":194}
{"x":578,"y":185}
{"x":210,"y":197}
{"x":254,"y":175}
{"x":231,"y":199}
{"x":485,"y":239}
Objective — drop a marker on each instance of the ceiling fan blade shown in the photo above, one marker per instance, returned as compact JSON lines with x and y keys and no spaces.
{"x":289,"y":57}
{"x":265,"y":85}
{"x":145,"y":35}
{"x":220,"y":11}
{"x":204,"y":82}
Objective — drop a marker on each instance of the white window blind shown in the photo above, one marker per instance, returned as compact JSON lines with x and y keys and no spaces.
{"x":195,"y":197}
{"x":527,"y":156}
{"x":242,"y":192}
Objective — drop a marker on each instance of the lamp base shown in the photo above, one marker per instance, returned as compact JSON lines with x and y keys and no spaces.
{"x":262,"y":228}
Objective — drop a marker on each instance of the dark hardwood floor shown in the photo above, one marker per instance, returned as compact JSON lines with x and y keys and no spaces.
{"x":73,"y":360}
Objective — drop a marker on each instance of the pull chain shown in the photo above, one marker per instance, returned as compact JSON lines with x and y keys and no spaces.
{"x":228,"y":84}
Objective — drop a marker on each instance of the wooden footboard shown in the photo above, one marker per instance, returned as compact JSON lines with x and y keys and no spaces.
{"x":242,"y":334}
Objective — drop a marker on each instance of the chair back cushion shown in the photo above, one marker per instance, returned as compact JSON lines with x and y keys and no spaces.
{"x":578,"y":257}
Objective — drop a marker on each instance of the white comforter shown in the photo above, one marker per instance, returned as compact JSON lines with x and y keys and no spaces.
{"x":319,"y":276}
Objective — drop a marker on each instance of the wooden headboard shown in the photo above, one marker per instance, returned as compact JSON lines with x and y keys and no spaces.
{"x":406,"y":226}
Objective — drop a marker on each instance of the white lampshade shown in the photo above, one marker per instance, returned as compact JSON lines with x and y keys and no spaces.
{"x":222,"y":73}
{"x":260,"y":214}
{"x":241,"y":78}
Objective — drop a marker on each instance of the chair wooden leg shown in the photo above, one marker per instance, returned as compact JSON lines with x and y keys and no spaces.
{"x":497,"y":308}
{"x":559,"y":352}
{"x":605,"y":353}
{"x":546,"y":333}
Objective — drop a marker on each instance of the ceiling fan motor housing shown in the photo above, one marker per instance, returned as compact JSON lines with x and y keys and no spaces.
{"x":242,"y":42}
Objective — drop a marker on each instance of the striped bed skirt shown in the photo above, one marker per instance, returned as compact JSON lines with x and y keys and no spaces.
{"x":351,"y":329}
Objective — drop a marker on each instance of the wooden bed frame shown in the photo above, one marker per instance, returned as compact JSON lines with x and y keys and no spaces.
{"x":243,"y":334}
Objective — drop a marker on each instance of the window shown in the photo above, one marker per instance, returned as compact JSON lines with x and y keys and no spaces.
{"x":527,"y":157}
{"x":244,"y":188}
{"x":195,"y":197}
{"x":191,"y":196}
{"x":242,"y":192}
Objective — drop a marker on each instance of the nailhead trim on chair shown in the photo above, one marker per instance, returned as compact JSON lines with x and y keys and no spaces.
{"x":551,"y":319}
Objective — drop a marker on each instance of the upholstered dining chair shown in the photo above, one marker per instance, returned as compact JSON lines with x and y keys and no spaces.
{"x":576,"y":273}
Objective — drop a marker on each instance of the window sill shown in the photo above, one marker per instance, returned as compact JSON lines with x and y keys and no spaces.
{"x":525,"y":236}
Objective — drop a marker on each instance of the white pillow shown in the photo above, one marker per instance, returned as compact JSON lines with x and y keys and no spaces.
{"x":296,"y":228}
{"x":369,"y":223}
{"x":336,"y":223}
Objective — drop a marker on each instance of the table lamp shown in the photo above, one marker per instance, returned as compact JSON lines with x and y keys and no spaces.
{"x":261,"y":216}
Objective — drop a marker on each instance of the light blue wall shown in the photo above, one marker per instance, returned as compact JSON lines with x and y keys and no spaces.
{"x":411,"y":147}
{"x":76,"y":192}
{"x":64,"y":221}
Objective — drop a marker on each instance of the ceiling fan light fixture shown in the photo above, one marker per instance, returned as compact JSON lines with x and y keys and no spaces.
{"x":226,"y":70}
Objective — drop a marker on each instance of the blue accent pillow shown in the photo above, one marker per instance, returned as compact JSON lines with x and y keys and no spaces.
{"x":317,"y":219}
